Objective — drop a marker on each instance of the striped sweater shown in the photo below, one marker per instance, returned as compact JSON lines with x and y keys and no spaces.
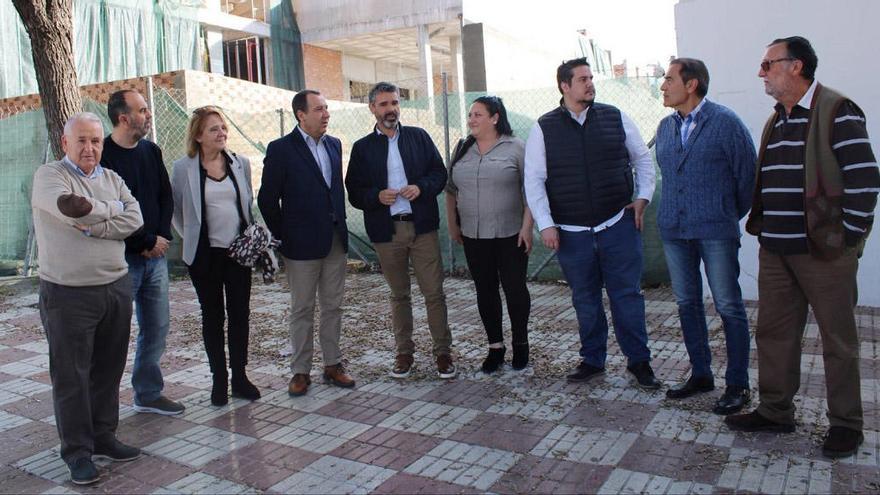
{"x":782,"y":177}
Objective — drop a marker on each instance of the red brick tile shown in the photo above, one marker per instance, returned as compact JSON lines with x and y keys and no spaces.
{"x":13,"y":480}
{"x":256,"y":419}
{"x":681,"y":461}
{"x":261,"y":464}
{"x":25,"y":440}
{"x":542,"y":475}
{"x":150,"y":471}
{"x":410,"y":484}
{"x":387,"y":448}
{"x":504,"y":432}
{"x":612,"y":415}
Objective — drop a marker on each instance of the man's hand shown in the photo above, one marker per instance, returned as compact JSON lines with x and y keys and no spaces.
{"x":550,"y":236}
{"x":638,"y":206}
{"x":410,"y":192}
{"x":388,"y":196}
{"x":158,"y":250}
{"x":161,"y":245}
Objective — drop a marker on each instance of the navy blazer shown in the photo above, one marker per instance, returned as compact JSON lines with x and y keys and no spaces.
{"x":368,"y":174}
{"x":297,"y":206}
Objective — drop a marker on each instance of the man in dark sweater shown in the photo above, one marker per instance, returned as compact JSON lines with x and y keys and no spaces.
{"x":812,"y":209}
{"x":394,"y":175}
{"x":579,"y":184}
{"x":139,"y":163}
{"x":707,"y":159}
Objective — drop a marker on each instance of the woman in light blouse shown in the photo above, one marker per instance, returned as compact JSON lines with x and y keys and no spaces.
{"x":212,"y":206}
{"x":487,"y":213}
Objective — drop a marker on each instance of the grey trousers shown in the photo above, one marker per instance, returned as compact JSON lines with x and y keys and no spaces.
{"x":87,"y":329}
{"x":306,"y":278}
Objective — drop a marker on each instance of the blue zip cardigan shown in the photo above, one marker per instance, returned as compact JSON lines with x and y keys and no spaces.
{"x":706,"y":185}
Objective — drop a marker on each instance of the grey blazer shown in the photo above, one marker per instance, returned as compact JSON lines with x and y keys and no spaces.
{"x":187,"y":193}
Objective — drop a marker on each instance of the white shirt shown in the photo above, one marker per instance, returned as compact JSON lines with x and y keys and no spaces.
{"x":221,"y":212}
{"x":536,"y":173}
{"x":396,"y":174}
{"x":806,"y":101}
{"x":319,"y":151}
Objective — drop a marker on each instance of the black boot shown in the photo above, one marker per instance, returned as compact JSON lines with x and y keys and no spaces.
{"x":520,"y":356}
{"x":242,"y":387}
{"x":220,"y":389}
{"x":493,"y":360}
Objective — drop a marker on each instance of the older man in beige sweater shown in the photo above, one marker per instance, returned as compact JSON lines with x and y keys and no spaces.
{"x":82,"y":214}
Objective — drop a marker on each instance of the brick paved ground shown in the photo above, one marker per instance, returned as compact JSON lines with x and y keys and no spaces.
{"x":512,"y":432}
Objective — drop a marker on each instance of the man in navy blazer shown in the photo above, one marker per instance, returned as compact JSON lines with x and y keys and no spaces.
{"x":394,"y":176}
{"x":303,"y":203}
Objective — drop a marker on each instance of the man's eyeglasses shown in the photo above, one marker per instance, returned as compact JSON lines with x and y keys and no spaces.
{"x":765,"y":64}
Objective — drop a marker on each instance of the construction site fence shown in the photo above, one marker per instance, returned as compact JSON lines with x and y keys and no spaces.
{"x":24,"y":147}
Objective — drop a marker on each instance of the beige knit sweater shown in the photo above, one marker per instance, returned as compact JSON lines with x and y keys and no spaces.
{"x":66,"y":255}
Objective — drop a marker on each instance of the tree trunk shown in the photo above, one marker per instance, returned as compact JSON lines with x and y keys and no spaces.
{"x":49,"y":23}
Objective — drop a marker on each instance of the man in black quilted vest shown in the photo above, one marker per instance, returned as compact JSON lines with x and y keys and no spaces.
{"x":579,"y":185}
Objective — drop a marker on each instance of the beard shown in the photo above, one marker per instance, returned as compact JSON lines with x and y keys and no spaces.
{"x":389,"y":120}
{"x":142,"y":130}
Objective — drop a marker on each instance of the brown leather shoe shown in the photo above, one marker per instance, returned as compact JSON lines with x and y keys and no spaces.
{"x":445,"y":368}
{"x":299,"y":384}
{"x":402,"y":366}
{"x":336,"y":375}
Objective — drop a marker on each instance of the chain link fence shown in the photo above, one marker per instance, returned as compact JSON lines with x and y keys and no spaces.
{"x":23,"y":146}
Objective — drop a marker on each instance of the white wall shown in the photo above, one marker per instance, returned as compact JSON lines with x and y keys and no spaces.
{"x":534,"y":66}
{"x":731,"y":37}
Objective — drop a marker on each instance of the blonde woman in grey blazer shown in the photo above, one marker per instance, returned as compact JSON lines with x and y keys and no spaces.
{"x":212,"y":205}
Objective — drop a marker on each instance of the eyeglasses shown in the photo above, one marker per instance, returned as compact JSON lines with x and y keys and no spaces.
{"x":765,"y":64}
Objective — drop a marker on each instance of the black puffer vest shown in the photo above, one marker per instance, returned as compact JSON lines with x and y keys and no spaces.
{"x":589,"y":178}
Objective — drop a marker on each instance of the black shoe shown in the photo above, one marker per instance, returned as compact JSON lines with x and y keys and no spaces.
{"x":242,"y":387}
{"x":494,"y":360}
{"x":83,"y":471}
{"x":841,"y":442}
{"x":162,"y":405}
{"x":753,"y":421}
{"x":644,"y":375}
{"x":116,"y":451}
{"x":692,"y":386}
{"x":220,"y":390}
{"x":520,"y":356}
{"x":733,"y":400}
{"x":584,"y":373}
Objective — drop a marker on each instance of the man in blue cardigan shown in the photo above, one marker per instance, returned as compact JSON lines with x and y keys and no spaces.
{"x":394,"y":175}
{"x":707,"y":161}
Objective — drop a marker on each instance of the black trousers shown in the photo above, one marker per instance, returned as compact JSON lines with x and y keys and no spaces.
{"x":491,"y":260}
{"x":87,"y":329}
{"x":213,"y":277}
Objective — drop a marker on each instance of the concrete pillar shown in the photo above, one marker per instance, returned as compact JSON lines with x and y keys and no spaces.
{"x":425,"y":65}
{"x":214,"y":40}
{"x":457,"y":105}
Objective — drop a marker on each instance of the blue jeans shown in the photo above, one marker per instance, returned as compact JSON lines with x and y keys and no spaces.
{"x":720,"y":259}
{"x":149,"y":277}
{"x":613,"y":258}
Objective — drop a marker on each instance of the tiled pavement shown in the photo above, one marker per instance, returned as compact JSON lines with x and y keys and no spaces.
{"x":510,"y":433}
